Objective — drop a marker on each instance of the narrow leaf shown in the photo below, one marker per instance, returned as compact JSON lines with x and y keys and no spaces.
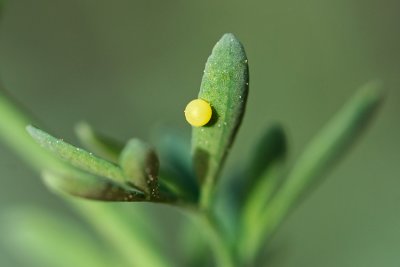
{"x":140,"y":165}
{"x":271,"y":148}
{"x":323,"y":151}
{"x":86,"y":185}
{"x":244,"y":196}
{"x":77,"y":157}
{"x":103,"y":146}
{"x":225,"y":87}
{"x":175,"y":164}
{"x":332,"y":142}
{"x":264,"y":175}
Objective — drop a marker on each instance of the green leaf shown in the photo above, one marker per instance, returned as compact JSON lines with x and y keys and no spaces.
{"x":244,"y":196}
{"x":140,"y":165}
{"x":319,"y":156}
{"x":270,"y":149}
{"x":52,"y":240}
{"x":103,"y":146}
{"x":77,"y":157}
{"x":85,"y":185}
{"x":264,"y":174}
{"x":225,"y":86}
{"x":176,"y":172}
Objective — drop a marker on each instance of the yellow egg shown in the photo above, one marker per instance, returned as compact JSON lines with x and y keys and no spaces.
{"x":198,"y":112}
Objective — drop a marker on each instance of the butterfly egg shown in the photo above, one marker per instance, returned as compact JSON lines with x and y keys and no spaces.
{"x":198,"y":112}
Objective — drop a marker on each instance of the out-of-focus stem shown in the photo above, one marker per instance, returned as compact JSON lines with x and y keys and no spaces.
{"x":13,"y":122}
{"x":215,"y":237}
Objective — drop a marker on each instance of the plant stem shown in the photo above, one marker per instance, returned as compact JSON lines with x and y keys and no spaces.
{"x":12,"y":130}
{"x":206,"y":194}
{"x":127,"y":236}
{"x":214,"y":234}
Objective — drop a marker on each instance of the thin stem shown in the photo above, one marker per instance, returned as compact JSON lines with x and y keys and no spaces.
{"x":126,"y":235}
{"x":12,"y":130}
{"x":206,"y":194}
{"x":217,"y":240}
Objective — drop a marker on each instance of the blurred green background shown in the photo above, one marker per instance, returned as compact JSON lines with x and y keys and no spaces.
{"x":128,"y":66}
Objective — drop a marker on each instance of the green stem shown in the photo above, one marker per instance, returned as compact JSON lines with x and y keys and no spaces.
{"x":12,"y":130}
{"x":217,"y":241}
{"x":206,"y":194}
{"x":127,"y":236}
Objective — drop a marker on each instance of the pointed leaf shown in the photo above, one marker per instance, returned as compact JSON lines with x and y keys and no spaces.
{"x":332,"y":142}
{"x":323,"y":151}
{"x":225,"y":87}
{"x":101,"y":145}
{"x":77,"y":157}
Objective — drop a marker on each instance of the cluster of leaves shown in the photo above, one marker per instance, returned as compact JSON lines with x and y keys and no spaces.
{"x":265,"y":193}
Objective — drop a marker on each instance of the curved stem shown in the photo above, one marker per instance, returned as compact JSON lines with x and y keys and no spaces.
{"x":126,"y":234}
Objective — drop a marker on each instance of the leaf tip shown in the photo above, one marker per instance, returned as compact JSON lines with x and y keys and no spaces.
{"x":35,"y":133}
{"x":82,"y":128}
{"x":31,"y":129}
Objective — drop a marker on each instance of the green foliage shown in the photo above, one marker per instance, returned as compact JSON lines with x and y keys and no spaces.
{"x":77,"y":157}
{"x":86,"y":185}
{"x":225,"y":86}
{"x":100,"y":145}
{"x":175,"y":164}
{"x":140,"y":165}
{"x":320,"y":155}
{"x":268,"y":190}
